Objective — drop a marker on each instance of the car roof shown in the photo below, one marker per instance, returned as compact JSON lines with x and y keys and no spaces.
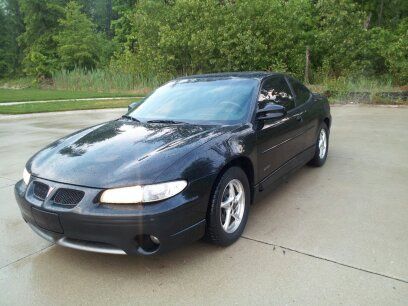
{"x":259,"y":75}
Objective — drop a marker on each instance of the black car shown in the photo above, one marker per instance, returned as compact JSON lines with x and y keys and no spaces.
{"x":184,"y":164}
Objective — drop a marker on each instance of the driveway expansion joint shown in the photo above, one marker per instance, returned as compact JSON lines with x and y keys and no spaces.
{"x":24,"y":257}
{"x":327,"y":259}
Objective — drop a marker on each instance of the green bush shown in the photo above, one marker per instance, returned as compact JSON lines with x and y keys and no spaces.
{"x":205,"y":36}
{"x":396,"y":53}
{"x":199,"y":36}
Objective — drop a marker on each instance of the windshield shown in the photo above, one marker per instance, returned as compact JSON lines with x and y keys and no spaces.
{"x":199,"y":101}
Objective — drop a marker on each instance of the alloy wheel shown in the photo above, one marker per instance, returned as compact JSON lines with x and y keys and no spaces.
{"x":322,"y":143}
{"x":232,"y":206}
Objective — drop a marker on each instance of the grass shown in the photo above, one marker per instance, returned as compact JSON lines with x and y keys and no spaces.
{"x":347,"y":85}
{"x":338,"y":89}
{"x":17,"y":83}
{"x":104,"y":80}
{"x":358,"y":90}
{"x":36,"y":94}
{"x":42,"y":107}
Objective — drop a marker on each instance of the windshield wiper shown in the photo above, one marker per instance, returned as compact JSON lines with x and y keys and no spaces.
{"x":166,"y":121}
{"x":130,"y":118}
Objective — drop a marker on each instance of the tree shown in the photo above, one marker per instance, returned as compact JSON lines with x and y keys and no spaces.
{"x":179,"y":37}
{"x":340,"y":39}
{"x":122,"y":9}
{"x":395,"y":51}
{"x":384,"y":13}
{"x":11,"y":27}
{"x":164,"y":38}
{"x":78,"y":43}
{"x":41,"y":24}
{"x":100,"y":12}
{"x":6,"y":56}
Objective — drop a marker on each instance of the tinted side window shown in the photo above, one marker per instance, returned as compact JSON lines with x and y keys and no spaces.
{"x":276,"y":90}
{"x":301,"y":92}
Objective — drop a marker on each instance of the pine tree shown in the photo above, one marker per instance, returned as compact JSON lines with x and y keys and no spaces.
{"x":41,"y":24}
{"x":78,"y":43}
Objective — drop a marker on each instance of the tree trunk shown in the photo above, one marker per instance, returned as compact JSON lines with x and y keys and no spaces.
{"x":307,"y":66}
{"x":368,"y":21}
{"x":108,"y":20}
{"x":380,"y":13}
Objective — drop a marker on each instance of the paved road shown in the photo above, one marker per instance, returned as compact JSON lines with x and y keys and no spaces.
{"x":334,"y":235}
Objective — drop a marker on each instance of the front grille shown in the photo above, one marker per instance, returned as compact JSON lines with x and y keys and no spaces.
{"x":40,"y":190}
{"x":65,"y":196}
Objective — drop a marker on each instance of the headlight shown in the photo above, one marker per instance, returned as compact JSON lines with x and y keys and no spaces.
{"x":143,"y":194}
{"x":26,"y":176}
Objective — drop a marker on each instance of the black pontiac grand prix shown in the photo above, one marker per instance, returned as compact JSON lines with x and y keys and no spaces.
{"x":185,"y":163}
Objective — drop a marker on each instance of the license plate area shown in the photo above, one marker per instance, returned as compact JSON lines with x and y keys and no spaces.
{"x":47,"y":220}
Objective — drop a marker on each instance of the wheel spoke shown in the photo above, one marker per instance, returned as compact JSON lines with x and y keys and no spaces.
{"x":236,"y":216}
{"x":231,"y":196}
{"x":226,"y":204}
{"x":227,"y":219}
{"x":238,"y":197}
{"x":231,"y":190}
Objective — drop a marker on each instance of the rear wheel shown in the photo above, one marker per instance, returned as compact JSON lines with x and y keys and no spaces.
{"x":229,"y":206}
{"x":322,"y":147}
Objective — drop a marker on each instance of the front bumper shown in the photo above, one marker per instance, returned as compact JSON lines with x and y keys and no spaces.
{"x":116,"y":229}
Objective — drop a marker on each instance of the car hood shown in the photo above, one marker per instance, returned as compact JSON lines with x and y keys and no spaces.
{"x":119,"y":153}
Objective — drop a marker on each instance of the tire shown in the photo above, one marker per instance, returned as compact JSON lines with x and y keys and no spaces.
{"x":217,"y":231}
{"x":319,"y":158}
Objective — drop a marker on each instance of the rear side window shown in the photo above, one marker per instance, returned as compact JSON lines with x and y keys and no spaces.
{"x":276,"y":90}
{"x":301,"y":92}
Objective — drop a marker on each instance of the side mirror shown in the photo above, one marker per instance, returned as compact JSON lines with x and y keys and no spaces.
{"x":134,"y":105}
{"x":271,"y":111}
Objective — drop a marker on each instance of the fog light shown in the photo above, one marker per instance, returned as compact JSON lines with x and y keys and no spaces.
{"x":154,"y":239}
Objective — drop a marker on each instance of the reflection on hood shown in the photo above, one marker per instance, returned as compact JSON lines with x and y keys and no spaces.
{"x":119,"y":152}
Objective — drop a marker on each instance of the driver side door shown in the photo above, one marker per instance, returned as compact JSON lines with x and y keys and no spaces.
{"x":277,"y":138}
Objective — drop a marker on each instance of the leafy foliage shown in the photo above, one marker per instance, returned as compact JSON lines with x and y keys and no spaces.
{"x":5,"y":41}
{"x":396,"y":52}
{"x":159,"y":39}
{"x":208,"y":35}
{"x":41,"y":25}
{"x":11,"y":27}
{"x":78,"y":43}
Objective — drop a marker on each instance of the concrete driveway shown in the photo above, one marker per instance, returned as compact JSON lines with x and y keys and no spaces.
{"x":333,"y":235}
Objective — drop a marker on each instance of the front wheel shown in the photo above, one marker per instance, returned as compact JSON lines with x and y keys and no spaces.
{"x":229,"y":205}
{"x":322,"y":147}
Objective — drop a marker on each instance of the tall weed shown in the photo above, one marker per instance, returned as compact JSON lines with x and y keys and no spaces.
{"x":103,"y":80}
